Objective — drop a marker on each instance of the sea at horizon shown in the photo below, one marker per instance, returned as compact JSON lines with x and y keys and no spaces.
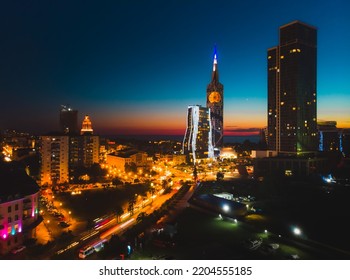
{"x":227,"y":139}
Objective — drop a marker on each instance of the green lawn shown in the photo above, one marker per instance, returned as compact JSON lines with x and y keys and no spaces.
{"x":205,"y":236}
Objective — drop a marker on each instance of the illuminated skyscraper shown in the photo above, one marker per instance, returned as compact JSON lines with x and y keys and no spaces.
{"x":84,"y":149}
{"x":68,"y":120}
{"x":86,"y":128}
{"x":292,"y":126}
{"x":197,"y":142}
{"x":215,"y":102}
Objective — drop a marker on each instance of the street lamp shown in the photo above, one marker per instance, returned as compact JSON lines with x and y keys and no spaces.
{"x":297,"y":231}
{"x":226,"y":208}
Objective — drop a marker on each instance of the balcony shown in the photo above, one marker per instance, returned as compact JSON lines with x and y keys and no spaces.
{"x":27,"y":206}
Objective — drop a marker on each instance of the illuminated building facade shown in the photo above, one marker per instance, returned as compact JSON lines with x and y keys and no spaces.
{"x":330,"y":137}
{"x":83,"y":150}
{"x":19,"y":207}
{"x":88,"y":145}
{"x":345,"y":142}
{"x":86,"y":128}
{"x":292,"y":126}
{"x":197,"y":142}
{"x":215,"y":102}
{"x":120,"y":160}
{"x":68,"y":120}
{"x":54,"y":159}
{"x":61,"y":154}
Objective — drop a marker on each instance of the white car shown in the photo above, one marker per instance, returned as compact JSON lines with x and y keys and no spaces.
{"x":274,"y":246}
{"x":18,"y":249}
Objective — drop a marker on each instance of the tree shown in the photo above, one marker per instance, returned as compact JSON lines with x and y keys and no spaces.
{"x":152,"y":191}
{"x":219,"y":176}
{"x":130,"y":167}
{"x":195,"y":173}
{"x":141,"y":217}
{"x":96,"y":173}
{"x":117,"y":181}
{"x":132,"y":202}
{"x":119,"y":211}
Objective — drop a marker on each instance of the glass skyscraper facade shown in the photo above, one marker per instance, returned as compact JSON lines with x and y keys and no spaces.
{"x":292,"y":98}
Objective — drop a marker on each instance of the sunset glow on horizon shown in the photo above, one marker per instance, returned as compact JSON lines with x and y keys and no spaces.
{"x":134,"y":69}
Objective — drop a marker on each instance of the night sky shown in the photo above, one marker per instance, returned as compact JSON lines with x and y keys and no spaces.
{"x":135,"y":66}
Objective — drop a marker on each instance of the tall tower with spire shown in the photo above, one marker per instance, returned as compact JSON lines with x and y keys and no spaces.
{"x":86,"y":127}
{"x":215,"y":102}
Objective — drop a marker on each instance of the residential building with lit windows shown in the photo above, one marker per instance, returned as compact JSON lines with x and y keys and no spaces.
{"x":61,"y":153}
{"x":88,"y":145}
{"x":19,"y":206}
{"x":54,"y":159}
{"x":345,"y":142}
{"x":330,"y":137}
{"x":292,"y":96}
{"x":83,"y":150}
{"x":197,"y":143}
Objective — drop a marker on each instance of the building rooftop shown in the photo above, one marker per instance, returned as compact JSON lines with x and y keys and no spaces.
{"x":14,"y":182}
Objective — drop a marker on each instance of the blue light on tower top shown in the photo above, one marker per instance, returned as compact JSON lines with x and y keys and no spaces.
{"x":215,"y":59}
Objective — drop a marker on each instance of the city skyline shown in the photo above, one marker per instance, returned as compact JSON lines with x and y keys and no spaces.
{"x":135,"y":67}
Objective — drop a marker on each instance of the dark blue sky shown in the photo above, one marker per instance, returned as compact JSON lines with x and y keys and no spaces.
{"x":135,"y":66}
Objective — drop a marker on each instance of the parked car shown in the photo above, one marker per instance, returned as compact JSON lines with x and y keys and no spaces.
{"x":64,"y":224}
{"x":274,"y":246}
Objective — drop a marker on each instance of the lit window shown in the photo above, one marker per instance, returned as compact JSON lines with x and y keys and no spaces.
{"x":294,"y":108}
{"x":269,"y":57}
{"x":282,"y":103}
{"x":282,"y":56}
